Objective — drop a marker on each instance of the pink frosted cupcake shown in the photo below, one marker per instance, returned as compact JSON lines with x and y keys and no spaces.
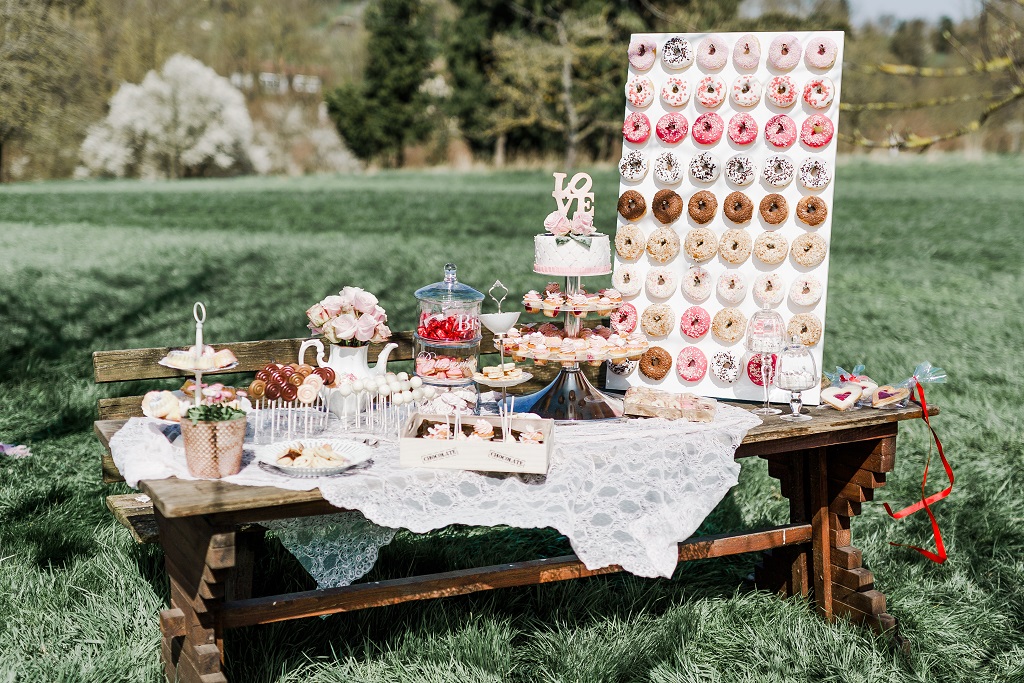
{"x":533,"y":302}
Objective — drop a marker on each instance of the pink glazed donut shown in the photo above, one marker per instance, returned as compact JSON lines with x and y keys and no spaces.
{"x":691,"y":364}
{"x":821,"y":52}
{"x":784,"y":52}
{"x":642,"y":53}
{"x":637,"y":127}
{"x":707,"y":129}
{"x":623,"y":320}
{"x":672,"y":128}
{"x":746,"y":54}
{"x":695,"y":322}
{"x":742,"y":129}
{"x":817,"y":131}
{"x":712,"y":53}
{"x":780,"y":131}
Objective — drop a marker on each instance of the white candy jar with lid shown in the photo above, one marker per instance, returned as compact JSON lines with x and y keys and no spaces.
{"x":449,"y":310}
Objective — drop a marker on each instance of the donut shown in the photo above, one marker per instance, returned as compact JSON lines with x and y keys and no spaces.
{"x":814,"y":173}
{"x":675,"y":92}
{"x":734,"y":246}
{"x":780,"y":131}
{"x":667,"y":168}
{"x":701,"y":244}
{"x":657,"y":320}
{"x":712,"y":53}
{"x":742,"y":129}
{"x":633,"y":166}
{"x":819,"y":92}
{"x":636,"y":128}
{"x":624,"y":319}
{"x":632,"y":205}
{"x":771,"y":248}
{"x":710,"y":91}
{"x":707,"y":128}
{"x":672,"y":128}
{"x":806,"y":326}
{"x":774,"y":209}
{"x":746,"y":91}
{"x":630,"y":241}
{"x":805,"y":290}
{"x":640,"y":91}
{"x":754,"y":369}
{"x":623,"y":368}
{"x":728,"y":325}
{"x":661,"y":283}
{"x":821,"y":52}
{"x":768,"y":289}
{"x":642,"y":53}
{"x":811,"y":210}
{"x":784,"y":52}
{"x":704,"y":167}
{"x":732,"y":288}
{"x":738,"y":207}
{"x":676,"y":53}
{"x":691,"y":364}
{"x":725,"y":366}
{"x":740,"y":170}
{"x":781,"y":91}
{"x":808,"y":250}
{"x":697,"y":283}
{"x":667,"y":206}
{"x":746,"y":53}
{"x":627,"y":280}
{"x":778,"y":170}
{"x":663,"y":245}
{"x":816,"y":131}
{"x":695,"y":322}
{"x":655,"y":363}
{"x":702,"y":206}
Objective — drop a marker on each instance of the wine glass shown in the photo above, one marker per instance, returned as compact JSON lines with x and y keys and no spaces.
{"x":796,"y":372}
{"x":766,"y":334}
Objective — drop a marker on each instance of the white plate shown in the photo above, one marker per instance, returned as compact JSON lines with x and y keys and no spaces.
{"x":355,"y":452}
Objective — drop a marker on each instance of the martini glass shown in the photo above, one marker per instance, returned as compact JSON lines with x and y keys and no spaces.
{"x":766,"y":334}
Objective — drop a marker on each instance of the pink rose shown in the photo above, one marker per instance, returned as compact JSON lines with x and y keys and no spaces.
{"x":378,"y":314}
{"x":344,"y":327}
{"x":334,"y":305}
{"x":557,"y":224}
{"x":364,"y":302}
{"x":318,"y":314}
{"x":348,"y":295}
{"x":582,"y":224}
{"x":381,"y":334}
{"x":365,"y":327}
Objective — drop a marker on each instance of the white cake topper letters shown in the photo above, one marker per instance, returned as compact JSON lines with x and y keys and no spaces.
{"x":578,"y":191}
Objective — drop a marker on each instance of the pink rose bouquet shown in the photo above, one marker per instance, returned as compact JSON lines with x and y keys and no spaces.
{"x":352,"y":317}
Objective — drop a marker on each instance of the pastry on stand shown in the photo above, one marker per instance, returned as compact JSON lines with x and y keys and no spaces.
{"x":503,"y":375}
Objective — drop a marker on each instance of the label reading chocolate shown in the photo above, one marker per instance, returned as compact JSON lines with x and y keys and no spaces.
{"x":507,"y":459}
{"x":442,"y":455}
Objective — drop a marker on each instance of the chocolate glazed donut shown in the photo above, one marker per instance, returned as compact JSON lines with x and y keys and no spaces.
{"x":632,"y":205}
{"x":667,"y":206}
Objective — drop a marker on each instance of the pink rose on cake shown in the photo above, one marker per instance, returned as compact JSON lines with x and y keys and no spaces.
{"x":582,"y":224}
{"x":557,"y":224}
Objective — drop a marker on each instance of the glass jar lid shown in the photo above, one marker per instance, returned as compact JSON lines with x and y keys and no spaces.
{"x":449,"y":290}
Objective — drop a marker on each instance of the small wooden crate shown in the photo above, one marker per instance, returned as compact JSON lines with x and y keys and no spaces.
{"x":477,"y":455}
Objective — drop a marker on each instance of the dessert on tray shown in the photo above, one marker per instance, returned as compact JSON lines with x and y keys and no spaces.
{"x":593,"y":346}
{"x":572,"y":247}
{"x":194,"y":358}
{"x":648,"y":402}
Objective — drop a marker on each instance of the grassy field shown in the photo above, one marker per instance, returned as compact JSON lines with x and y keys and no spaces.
{"x":926,"y":264}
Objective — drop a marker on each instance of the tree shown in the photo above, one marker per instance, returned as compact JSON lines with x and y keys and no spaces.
{"x":908,"y":42}
{"x":939,"y":41}
{"x":185,"y":121}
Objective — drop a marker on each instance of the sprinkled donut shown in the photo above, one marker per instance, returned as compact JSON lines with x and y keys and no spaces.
{"x":630,"y":242}
{"x":627,"y":280}
{"x":623,"y":368}
{"x":740,"y":170}
{"x":732,"y":287}
{"x":672,"y":128}
{"x":667,"y":168}
{"x":774,"y":209}
{"x":816,"y":131}
{"x":780,"y":131}
{"x":805,"y":290}
{"x":707,"y":129}
{"x":728,"y":325}
{"x":633,"y":166}
{"x":675,"y":92}
{"x":705,"y":167}
{"x":808,"y":250}
{"x":734,"y":246}
{"x":632,"y":205}
{"x":657,"y":320}
{"x":746,"y":90}
{"x":624,"y":319}
{"x":806,"y":326}
{"x":663,"y":245}
{"x":812,"y":210}
{"x":655,"y":363}
{"x":640,"y":91}
{"x":697,"y":284}
{"x":677,"y":53}
{"x":771,"y":248}
{"x":642,"y":53}
{"x":754,"y":369}
{"x":712,"y":53}
{"x":746,"y":53}
{"x":742,"y":129}
{"x":701,"y":244}
{"x":768,"y":289}
{"x":636,"y":128}
{"x":702,"y":206}
{"x":819,"y":92}
{"x":821,"y":52}
{"x":781,"y":91}
{"x":661,"y":283}
{"x":778,"y":170}
{"x":738,"y":207}
{"x":666,"y":206}
{"x":784,"y":52}
{"x":695,"y":322}
{"x":725,"y":366}
{"x":710,"y":91}
{"x":814,"y":173}
{"x":691,"y":364}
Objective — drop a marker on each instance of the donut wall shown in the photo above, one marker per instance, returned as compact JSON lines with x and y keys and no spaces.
{"x":726,"y":199}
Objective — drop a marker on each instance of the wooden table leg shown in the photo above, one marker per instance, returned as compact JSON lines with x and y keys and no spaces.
{"x":787,"y":570}
{"x":821,"y":555}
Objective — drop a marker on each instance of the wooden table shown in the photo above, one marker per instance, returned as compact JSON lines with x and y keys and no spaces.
{"x":827,"y":467}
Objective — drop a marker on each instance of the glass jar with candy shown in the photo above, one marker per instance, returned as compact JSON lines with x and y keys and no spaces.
{"x":449,"y":310}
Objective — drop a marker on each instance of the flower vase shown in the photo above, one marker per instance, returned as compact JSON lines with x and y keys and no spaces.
{"x":349,"y":363}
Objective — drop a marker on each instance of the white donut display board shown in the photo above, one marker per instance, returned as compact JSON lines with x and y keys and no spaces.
{"x":759,"y":151}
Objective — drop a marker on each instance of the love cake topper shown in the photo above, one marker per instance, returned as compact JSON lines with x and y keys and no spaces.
{"x":577,"y":191}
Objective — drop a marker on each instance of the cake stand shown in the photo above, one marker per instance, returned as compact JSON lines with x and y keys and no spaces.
{"x":199,"y":314}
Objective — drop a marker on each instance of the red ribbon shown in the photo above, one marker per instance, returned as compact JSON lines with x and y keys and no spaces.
{"x":926,"y":501}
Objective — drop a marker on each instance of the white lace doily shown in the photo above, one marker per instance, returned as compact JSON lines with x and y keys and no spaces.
{"x":622,"y":492}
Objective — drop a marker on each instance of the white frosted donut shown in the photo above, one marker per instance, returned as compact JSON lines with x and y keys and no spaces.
{"x":805,"y":290}
{"x":821,"y":52}
{"x":740,"y":170}
{"x":661,"y":282}
{"x":781,"y":91}
{"x":732,"y":287}
{"x":746,"y":53}
{"x":710,"y":91}
{"x":768,"y":289}
{"x":819,"y":92}
{"x":697,"y":283}
{"x":712,"y":52}
{"x":784,"y":52}
{"x":705,"y":167}
{"x":640,"y":91}
{"x":627,"y":280}
{"x":668,"y":168}
{"x":675,"y":92}
{"x":778,"y":170}
{"x":746,"y":90}
{"x":677,"y":53}
{"x":725,"y":366}
{"x":814,"y":173}
{"x":633,"y":166}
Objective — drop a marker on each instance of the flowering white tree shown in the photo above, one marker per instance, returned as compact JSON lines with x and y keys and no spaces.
{"x":184,"y":121}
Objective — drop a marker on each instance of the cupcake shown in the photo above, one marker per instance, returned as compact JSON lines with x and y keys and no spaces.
{"x":613,"y":294}
{"x":540,"y":356}
{"x":532,"y":301}
{"x":482,"y":429}
{"x":553,"y":303}
{"x":579,"y":303}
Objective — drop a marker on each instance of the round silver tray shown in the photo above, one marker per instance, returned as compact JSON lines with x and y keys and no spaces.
{"x":504,"y":383}
{"x":361,"y":460}
{"x":193,"y":371}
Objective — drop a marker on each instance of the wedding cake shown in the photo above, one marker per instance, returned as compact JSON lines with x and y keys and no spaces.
{"x":572,"y":247}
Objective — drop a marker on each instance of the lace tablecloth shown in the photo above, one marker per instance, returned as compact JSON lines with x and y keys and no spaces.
{"x":623,"y":492}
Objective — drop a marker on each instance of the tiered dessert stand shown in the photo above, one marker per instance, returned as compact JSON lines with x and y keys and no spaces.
{"x":196,"y":369}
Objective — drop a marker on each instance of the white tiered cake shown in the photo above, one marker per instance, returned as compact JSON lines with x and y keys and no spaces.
{"x":572,"y":247}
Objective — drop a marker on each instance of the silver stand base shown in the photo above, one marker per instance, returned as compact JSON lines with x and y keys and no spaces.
{"x":571,"y":396}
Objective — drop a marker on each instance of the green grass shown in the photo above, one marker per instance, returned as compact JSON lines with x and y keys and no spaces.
{"x":926,"y":265}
